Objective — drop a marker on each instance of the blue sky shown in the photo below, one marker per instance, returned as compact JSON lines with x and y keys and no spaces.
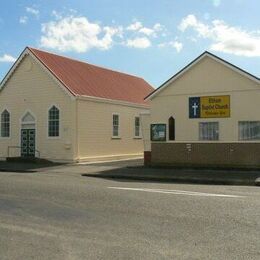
{"x":149,"y":38}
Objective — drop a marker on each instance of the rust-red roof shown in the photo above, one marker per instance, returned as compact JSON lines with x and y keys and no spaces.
{"x":83,"y":79}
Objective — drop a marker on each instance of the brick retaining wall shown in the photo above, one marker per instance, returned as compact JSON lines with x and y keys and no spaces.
{"x":206,"y":154}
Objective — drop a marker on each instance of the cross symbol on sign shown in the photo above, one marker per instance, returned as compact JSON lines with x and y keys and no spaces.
{"x":195,"y":107}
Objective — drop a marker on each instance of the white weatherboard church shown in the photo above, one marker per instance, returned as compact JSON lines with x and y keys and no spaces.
{"x":66,"y":110}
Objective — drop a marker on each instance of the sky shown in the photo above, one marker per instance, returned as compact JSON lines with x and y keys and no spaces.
{"x":148,"y":38}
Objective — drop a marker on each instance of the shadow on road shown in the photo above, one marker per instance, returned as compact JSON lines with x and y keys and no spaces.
{"x":24,"y":167}
{"x":178,"y":175}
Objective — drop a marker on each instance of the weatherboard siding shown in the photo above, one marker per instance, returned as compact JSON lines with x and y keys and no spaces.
{"x":31,"y":88}
{"x":95,"y":130}
{"x":207,"y":78}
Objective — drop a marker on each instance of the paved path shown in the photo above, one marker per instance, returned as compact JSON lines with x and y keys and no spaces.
{"x":134,"y":170}
{"x":58,"y":214}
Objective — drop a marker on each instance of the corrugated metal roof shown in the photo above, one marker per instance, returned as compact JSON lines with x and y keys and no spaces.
{"x":83,"y":79}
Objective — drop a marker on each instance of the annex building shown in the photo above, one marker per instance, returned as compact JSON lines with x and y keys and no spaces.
{"x":205,"y":115}
{"x":62,"y":109}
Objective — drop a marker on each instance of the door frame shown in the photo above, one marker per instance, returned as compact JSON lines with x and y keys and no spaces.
{"x":23,"y":125}
{"x":28,"y":154}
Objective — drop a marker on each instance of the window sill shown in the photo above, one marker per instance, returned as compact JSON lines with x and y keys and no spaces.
{"x":137,"y":137}
{"x":158,"y":141}
{"x":209,"y":140}
{"x":53,"y":137}
{"x":5,"y":137}
{"x":115,"y":137}
{"x":249,"y":140}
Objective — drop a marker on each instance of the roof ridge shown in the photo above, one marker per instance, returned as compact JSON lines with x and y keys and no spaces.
{"x":84,"y":62}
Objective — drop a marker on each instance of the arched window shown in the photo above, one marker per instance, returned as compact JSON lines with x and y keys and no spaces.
{"x":5,"y":124}
{"x":54,"y":122}
{"x":171,"y":125}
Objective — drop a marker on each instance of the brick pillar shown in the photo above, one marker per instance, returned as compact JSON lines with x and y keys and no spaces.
{"x":147,"y":157}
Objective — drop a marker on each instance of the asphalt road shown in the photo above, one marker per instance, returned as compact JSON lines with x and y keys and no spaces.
{"x":58,"y":214}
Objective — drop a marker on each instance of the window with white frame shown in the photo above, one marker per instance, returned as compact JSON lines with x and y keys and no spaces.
{"x":249,"y":130}
{"x":209,"y":131}
{"x":137,"y":126}
{"x":5,"y":124}
{"x":115,"y":125}
{"x":54,"y":122}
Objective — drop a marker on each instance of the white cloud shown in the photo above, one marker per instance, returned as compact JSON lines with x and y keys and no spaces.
{"x":146,"y":31}
{"x":224,"y":38}
{"x":191,"y":22}
{"x":216,"y":3}
{"x":134,"y":26}
{"x":140,"y":43}
{"x":158,"y":27}
{"x":33,"y":11}
{"x":138,"y":27}
{"x":178,"y":46}
{"x":23,"y":20}
{"x":7,"y":58}
{"x":109,"y":32}
{"x":77,"y":34}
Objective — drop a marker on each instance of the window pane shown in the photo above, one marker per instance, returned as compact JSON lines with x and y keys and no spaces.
{"x":209,"y":131}
{"x":137,"y":126}
{"x":5,"y":124}
{"x":115,"y":125}
{"x":249,"y":130}
{"x":54,"y":121}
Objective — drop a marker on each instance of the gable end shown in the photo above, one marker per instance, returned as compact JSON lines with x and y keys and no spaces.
{"x":25,"y":53}
{"x":193,"y":63}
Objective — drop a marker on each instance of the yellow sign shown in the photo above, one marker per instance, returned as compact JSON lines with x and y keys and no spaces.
{"x":215,"y":107}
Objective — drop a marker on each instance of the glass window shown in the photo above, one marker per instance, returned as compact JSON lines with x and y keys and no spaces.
{"x":54,"y":122}
{"x":137,"y":126}
{"x":209,"y":131}
{"x":5,"y":124}
{"x":115,"y":125}
{"x":249,"y":130}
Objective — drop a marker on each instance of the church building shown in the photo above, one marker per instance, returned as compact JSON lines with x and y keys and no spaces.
{"x":61,"y":109}
{"x":205,"y":115}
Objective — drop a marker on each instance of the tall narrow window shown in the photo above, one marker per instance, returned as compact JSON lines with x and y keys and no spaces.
{"x":137,"y":126}
{"x":115,"y":125}
{"x":171,"y":125}
{"x":5,"y":124}
{"x":209,"y":131}
{"x":54,"y":122}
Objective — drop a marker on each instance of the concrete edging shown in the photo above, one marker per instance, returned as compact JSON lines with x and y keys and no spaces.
{"x":174,"y":179}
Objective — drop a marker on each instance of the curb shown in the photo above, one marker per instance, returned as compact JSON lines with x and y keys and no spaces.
{"x":18,"y":171}
{"x":175,"y":179}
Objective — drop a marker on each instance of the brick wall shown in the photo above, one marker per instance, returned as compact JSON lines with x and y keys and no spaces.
{"x":206,"y":154}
